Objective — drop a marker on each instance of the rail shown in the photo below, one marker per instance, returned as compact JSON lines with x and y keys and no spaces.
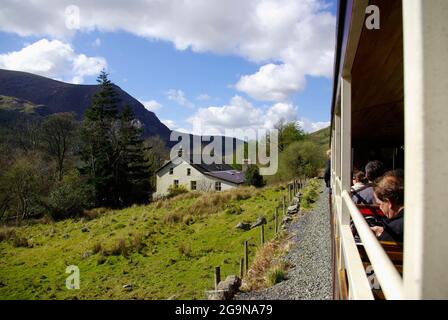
{"x":385,"y":271}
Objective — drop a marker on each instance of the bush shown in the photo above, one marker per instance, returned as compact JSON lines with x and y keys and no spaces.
{"x":71,"y":196}
{"x":310,"y":194}
{"x":253,"y":177}
{"x":174,"y":190}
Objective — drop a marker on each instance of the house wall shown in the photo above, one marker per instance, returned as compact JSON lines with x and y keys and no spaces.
{"x":203,"y":182}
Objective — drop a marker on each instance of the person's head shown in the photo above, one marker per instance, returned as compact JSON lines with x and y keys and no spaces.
{"x":389,"y":194}
{"x":358,"y":176}
{"x":329,"y":153}
{"x":374,"y":170}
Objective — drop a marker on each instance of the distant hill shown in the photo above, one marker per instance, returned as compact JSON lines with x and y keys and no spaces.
{"x":29,"y":93}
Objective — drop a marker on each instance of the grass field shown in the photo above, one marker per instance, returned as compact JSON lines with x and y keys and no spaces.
{"x":166,"y":249}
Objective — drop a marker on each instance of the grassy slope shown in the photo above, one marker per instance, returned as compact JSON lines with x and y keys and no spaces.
{"x":321,"y":137}
{"x":159,"y":272}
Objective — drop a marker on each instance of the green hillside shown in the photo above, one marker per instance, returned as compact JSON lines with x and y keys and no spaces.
{"x":15,"y":104}
{"x":321,"y":137}
{"x":166,"y":249}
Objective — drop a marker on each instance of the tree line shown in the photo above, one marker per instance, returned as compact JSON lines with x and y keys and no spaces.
{"x":59,"y":166}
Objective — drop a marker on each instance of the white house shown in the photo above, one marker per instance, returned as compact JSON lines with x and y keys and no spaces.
{"x":197,"y":177}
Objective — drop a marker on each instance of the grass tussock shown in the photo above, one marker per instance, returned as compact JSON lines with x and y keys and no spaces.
{"x":119,"y":248}
{"x":267,"y":268}
{"x":276,"y":274}
{"x":185,"y":249}
{"x":9,"y":234}
{"x":206,"y":204}
{"x":93,"y":213}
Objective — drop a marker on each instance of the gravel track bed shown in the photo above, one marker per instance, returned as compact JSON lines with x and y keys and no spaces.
{"x":310,"y":277}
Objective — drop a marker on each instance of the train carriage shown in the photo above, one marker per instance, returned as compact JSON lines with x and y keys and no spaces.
{"x":390,"y":103}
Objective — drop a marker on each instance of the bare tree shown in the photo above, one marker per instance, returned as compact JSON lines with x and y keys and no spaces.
{"x":58,"y":134}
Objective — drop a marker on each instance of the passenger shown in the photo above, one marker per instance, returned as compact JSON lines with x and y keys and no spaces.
{"x":359,"y":180}
{"x":389,"y":193}
{"x":374,"y":170}
{"x":327,"y":175}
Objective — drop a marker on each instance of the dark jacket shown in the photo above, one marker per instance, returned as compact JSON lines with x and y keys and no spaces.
{"x":364,"y":195}
{"x":327,"y":173}
{"x":393,"y":228}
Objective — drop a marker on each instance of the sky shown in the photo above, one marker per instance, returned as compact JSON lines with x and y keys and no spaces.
{"x":205,"y":65}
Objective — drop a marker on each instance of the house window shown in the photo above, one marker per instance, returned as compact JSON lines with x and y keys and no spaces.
{"x":176,"y":183}
{"x":188,"y":171}
{"x":193,"y":185}
{"x":218,"y":186}
{"x":171,"y":170}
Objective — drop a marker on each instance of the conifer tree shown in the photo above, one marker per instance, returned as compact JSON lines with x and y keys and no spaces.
{"x":99,"y":139}
{"x":133,"y":174}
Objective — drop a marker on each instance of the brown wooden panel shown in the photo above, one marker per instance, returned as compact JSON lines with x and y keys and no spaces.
{"x":377,"y":81}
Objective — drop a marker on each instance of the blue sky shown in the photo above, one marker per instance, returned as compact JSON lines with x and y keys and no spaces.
{"x":221,"y":71}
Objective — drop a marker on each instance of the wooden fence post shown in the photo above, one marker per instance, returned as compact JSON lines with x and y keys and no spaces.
{"x":217,"y":277}
{"x":284,"y":206}
{"x":276,"y":219}
{"x":241,"y":268}
{"x":262,"y":234}
{"x":246,"y":255}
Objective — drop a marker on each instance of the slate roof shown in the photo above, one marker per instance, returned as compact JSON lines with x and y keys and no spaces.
{"x":220,"y":171}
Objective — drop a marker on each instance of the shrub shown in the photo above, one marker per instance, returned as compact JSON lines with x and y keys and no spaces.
{"x":174,"y":190}
{"x":253,"y":177}
{"x":71,"y":196}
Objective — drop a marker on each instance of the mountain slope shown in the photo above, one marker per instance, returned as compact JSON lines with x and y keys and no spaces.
{"x":57,"y":96}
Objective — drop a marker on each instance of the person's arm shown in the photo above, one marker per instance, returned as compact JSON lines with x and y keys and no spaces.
{"x":378,"y":231}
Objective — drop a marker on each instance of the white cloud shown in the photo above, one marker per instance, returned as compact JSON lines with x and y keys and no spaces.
{"x":290,"y":39}
{"x":179,"y":97}
{"x":151,"y":105}
{"x":203,"y":97}
{"x":272,"y":82}
{"x":240,"y":114}
{"x":54,"y":59}
{"x":310,"y":126}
